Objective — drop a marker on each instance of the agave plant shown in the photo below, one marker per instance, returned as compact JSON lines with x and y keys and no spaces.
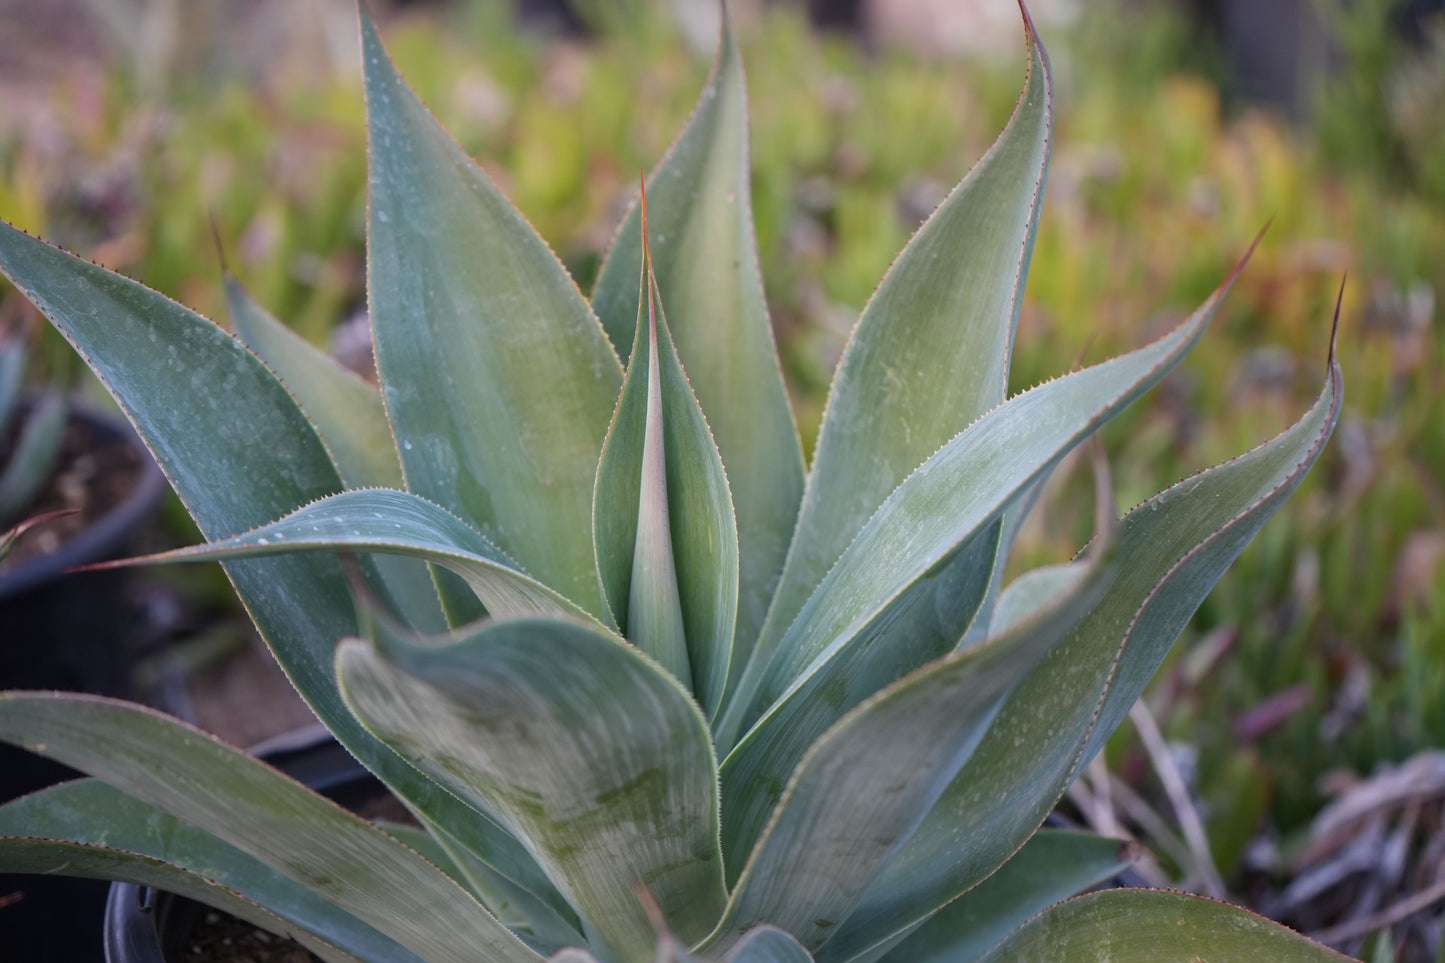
{"x":651,"y":689}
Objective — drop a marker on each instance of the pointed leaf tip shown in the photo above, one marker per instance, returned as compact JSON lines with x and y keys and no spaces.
{"x":1330,"y":362}
{"x":642,"y":207}
{"x":216,"y":240}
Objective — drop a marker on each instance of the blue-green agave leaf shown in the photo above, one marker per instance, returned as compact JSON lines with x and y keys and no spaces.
{"x":930,"y":353}
{"x":863,"y":787}
{"x":13,"y":359}
{"x":1176,"y":545}
{"x":346,"y":411}
{"x":1146,"y":925}
{"x":765,"y":944}
{"x":900,"y":571}
{"x":239,"y":453}
{"x":381,"y":520}
{"x":37,"y":448}
{"x":87,"y":822}
{"x":577,"y":743}
{"x":46,"y":857}
{"x":706,"y":261}
{"x":1030,"y":591}
{"x":1054,"y":865}
{"x":351,"y":421}
{"x":498,"y":378}
{"x":545,"y":925}
{"x":292,"y":830}
{"x":669,"y":569}
{"x":768,"y":944}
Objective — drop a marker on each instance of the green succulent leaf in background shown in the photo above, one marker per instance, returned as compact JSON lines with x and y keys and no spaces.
{"x":651,"y":695}
{"x":38,"y":432}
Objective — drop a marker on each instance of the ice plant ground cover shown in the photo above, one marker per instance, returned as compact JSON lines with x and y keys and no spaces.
{"x":652,"y":690}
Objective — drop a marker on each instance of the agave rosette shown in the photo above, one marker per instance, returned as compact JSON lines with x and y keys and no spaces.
{"x":651,"y":689}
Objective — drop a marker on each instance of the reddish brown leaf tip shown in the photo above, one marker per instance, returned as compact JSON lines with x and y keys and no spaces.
{"x":11,"y":536}
{"x":1244,"y":259}
{"x":216,"y":240}
{"x":1030,"y":31}
{"x":642,"y":183}
{"x":1335,"y":325}
{"x":35,"y":520}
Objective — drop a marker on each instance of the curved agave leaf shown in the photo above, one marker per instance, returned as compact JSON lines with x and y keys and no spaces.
{"x":1144,"y":925}
{"x":37,"y":448}
{"x":1053,"y":865}
{"x":706,"y":264}
{"x":669,"y":570}
{"x":347,"y":411}
{"x":93,"y":862}
{"x":238,"y":459}
{"x":574,"y":740}
{"x":1010,"y":525}
{"x":768,"y":945}
{"x":572,"y":954}
{"x":542,"y":925}
{"x":765,"y":944}
{"x":1178,"y":544}
{"x":930,"y":352}
{"x":13,"y":358}
{"x":865,"y":785}
{"x":88,"y":828}
{"x":497,"y":376}
{"x":889,"y":581}
{"x":381,"y":520}
{"x":11,"y":535}
{"x":299,"y":834}
{"x":351,"y":421}
{"x":1029,"y":592}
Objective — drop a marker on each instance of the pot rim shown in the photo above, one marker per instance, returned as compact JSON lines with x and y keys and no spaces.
{"x":104,"y":537}
{"x":135,"y":916}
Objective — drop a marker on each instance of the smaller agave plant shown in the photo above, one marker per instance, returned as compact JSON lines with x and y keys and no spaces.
{"x":37,"y":430}
{"x":651,"y":690}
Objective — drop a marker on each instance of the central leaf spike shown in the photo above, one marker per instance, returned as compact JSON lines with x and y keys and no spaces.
{"x":654,"y":610}
{"x":663,"y":522}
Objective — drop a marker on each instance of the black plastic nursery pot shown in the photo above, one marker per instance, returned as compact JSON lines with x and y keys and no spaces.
{"x":69,"y":632}
{"x":66,"y":632}
{"x":145,"y":925}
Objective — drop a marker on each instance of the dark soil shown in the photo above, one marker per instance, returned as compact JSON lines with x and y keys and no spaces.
{"x":245,"y":698}
{"x":94,"y":473}
{"x":221,"y":938}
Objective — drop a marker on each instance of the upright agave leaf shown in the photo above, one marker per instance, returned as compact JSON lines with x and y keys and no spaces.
{"x":670,"y":568}
{"x":347,"y":411}
{"x":1053,"y":865}
{"x":884,"y":599}
{"x":1177,"y":545}
{"x":498,"y":377}
{"x":706,"y":262}
{"x":930,"y":353}
{"x":864,"y":786}
{"x":349,"y":417}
